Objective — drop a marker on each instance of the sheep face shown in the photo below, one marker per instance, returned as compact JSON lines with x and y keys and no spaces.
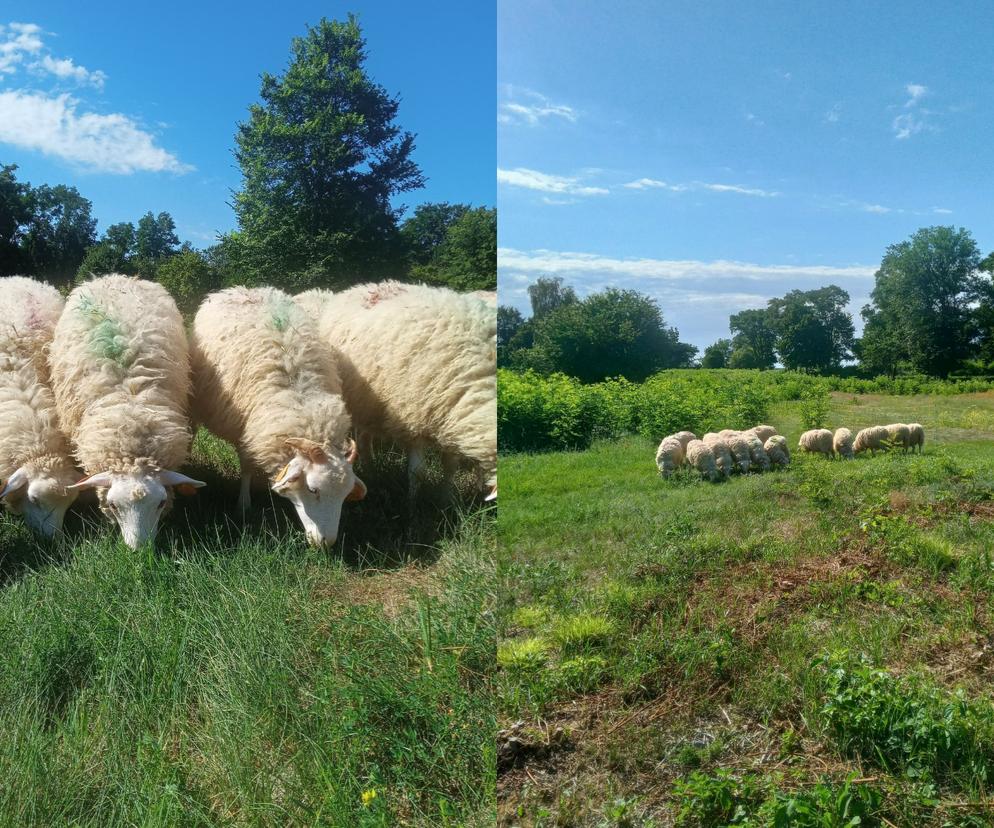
{"x":42,"y":498}
{"x":136,"y":500}
{"x":318,"y":483}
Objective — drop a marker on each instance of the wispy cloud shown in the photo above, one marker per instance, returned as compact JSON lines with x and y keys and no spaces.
{"x":103,"y":143}
{"x":942,"y":211}
{"x":545,"y":182}
{"x":654,"y":184}
{"x":61,"y":125}
{"x":833,"y":115}
{"x":734,"y":188}
{"x":525,"y":106}
{"x":914,"y":119}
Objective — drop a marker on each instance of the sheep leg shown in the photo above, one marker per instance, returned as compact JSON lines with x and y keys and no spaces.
{"x":450,"y":465}
{"x":415,"y":460}
{"x":244,"y":493}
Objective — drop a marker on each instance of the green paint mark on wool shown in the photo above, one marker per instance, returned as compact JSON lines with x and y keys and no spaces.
{"x":280,"y":311}
{"x":107,"y":339}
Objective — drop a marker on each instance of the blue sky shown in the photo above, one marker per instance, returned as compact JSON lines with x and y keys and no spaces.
{"x":716,"y":154}
{"x":137,"y":104}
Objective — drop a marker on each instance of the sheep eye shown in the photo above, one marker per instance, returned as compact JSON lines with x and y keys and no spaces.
{"x":161,"y":505}
{"x":314,"y":492}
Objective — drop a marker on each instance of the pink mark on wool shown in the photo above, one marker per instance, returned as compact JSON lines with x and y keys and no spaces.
{"x":380,"y":293}
{"x":34,"y":318}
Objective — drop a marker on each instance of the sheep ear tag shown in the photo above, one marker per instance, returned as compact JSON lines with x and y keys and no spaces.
{"x":281,"y":475}
{"x":358,"y":491}
{"x":186,"y":489}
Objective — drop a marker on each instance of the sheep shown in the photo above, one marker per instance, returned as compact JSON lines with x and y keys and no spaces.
{"x":722,"y":454}
{"x":738,"y":445}
{"x":763,"y":432}
{"x":757,"y":454}
{"x":684,"y":437}
{"x":264,"y":382}
{"x":35,"y":459}
{"x":701,"y":458}
{"x":899,"y":435}
{"x":776,"y":448}
{"x":817,"y":441}
{"x":121,"y":378}
{"x":842,"y":443}
{"x":313,"y":301}
{"x":725,"y":433}
{"x":488,"y":296}
{"x":669,"y":456}
{"x":874,"y":438}
{"x":418,"y":366}
{"x":917,"y":437}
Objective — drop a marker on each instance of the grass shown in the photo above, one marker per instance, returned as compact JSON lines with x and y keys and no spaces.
{"x":234,"y":676}
{"x":795,"y":648}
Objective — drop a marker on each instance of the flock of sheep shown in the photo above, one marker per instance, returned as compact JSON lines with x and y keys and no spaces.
{"x":109,"y":380}
{"x":719,"y":455}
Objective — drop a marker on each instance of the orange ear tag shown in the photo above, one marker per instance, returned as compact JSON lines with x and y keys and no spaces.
{"x":186,"y":489}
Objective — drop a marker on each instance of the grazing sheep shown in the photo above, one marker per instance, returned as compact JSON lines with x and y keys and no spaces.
{"x":738,"y":445}
{"x":725,"y":433}
{"x":313,"y":301}
{"x":842,"y":443}
{"x":418,"y":366}
{"x":874,"y":438}
{"x":763,"y":432}
{"x":264,"y":382}
{"x":34,"y":453}
{"x":899,"y":435}
{"x":121,"y":377}
{"x":917,"y":437}
{"x":722,"y":454}
{"x":669,"y":456}
{"x":684,"y":437}
{"x":817,"y":441}
{"x":701,"y":458}
{"x":776,"y":448}
{"x":757,"y":454}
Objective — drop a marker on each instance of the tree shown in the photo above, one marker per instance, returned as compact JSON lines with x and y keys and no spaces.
{"x":880,"y":349}
{"x":188,"y":277}
{"x":465,"y":258}
{"x":509,"y":321}
{"x":58,"y":232}
{"x":155,"y":239}
{"x":717,"y":354}
{"x":15,"y":213}
{"x":548,"y":294}
{"x":424,"y":232}
{"x":814,"y":332}
{"x":612,"y":333}
{"x":114,"y":253}
{"x":753,"y":339}
{"x":924,"y":297}
{"x":321,"y":157}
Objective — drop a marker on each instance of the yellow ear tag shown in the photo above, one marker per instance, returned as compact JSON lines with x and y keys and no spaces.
{"x":282,"y":473}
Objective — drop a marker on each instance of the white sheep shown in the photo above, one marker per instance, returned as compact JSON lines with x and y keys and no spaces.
{"x":313,"y":301}
{"x":34,"y":453}
{"x":874,"y":438}
{"x":669,"y":456}
{"x":760,"y":459}
{"x":264,"y":381}
{"x":763,"y":432}
{"x":725,"y":433}
{"x":776,"y":448}
{"x":816,"y":441}
{"x":917,"y":437}
{"x":722,"y":454}
{"x":684,"y":437}
{"x":899,"y":435}
{"x":842,"y":443}
{"x":701,"y":458}
{"x":738,"y":445}
{"x":121,"y":377}
{"x":418,"y":366}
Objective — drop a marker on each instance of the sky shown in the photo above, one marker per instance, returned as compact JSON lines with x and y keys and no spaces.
{"x":137,"y":105}
{"x":714,"y":155}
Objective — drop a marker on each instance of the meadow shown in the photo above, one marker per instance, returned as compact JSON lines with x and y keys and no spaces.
{"x":806,"y":647}
{"x":234,"y":676}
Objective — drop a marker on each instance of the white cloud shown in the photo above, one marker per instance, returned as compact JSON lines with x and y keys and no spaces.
{"x":16,"y":41}
{"x":733,"y":188}
{"x":833,"y":115}
{"x":550,"y":261}
{"x":54,"y":125}
{"x":64,"y":68}
{"x":755,"y":120}
{"x":546,"y":183}
{"x":875,"y":208}
{"x":915,"y":91}
{"x":536,"y":109}
{"x":942,"y":211}
{"x":654,"y":184}
{"x":914,"y":120}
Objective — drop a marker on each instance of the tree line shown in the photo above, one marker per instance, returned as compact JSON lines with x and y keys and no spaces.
{"x":321,"y":158}
{"x":931,"y":312}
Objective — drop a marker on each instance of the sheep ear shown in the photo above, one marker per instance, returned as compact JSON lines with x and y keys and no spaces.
{"x":308,"y":448}
{"x":358,"y":491}
{"x":101,"y":480}
{"x":492,"y":495}
{"x":16,"y":481}
{"x":174,"y":478}
{"x":286,"y":476}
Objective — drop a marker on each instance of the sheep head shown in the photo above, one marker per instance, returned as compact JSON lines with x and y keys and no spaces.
{"x":42,"y":495}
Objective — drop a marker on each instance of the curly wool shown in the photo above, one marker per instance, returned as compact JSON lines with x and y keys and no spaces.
{"x":842,"y":443}
{"x":763,"y":432}
{"x":899,"y":435}
{"x":722,"y":453}
{"x":701,"y":457}
{"x":418,"y":366}
{"x":738,"y":445}
{"x":776,"y":449}
{"x":916,"y":436}
{"x":757,"y":454}
{"x":874,"y":438}
{"x":29,"y":427}
{"x":261,"y":376}
{"x":669,"y":456}
{"x":121,"y":376}
{"x":816,"y":441}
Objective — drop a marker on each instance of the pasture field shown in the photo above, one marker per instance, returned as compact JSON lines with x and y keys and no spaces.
{"x":806,"y":647}
{"x":234,"y":676}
